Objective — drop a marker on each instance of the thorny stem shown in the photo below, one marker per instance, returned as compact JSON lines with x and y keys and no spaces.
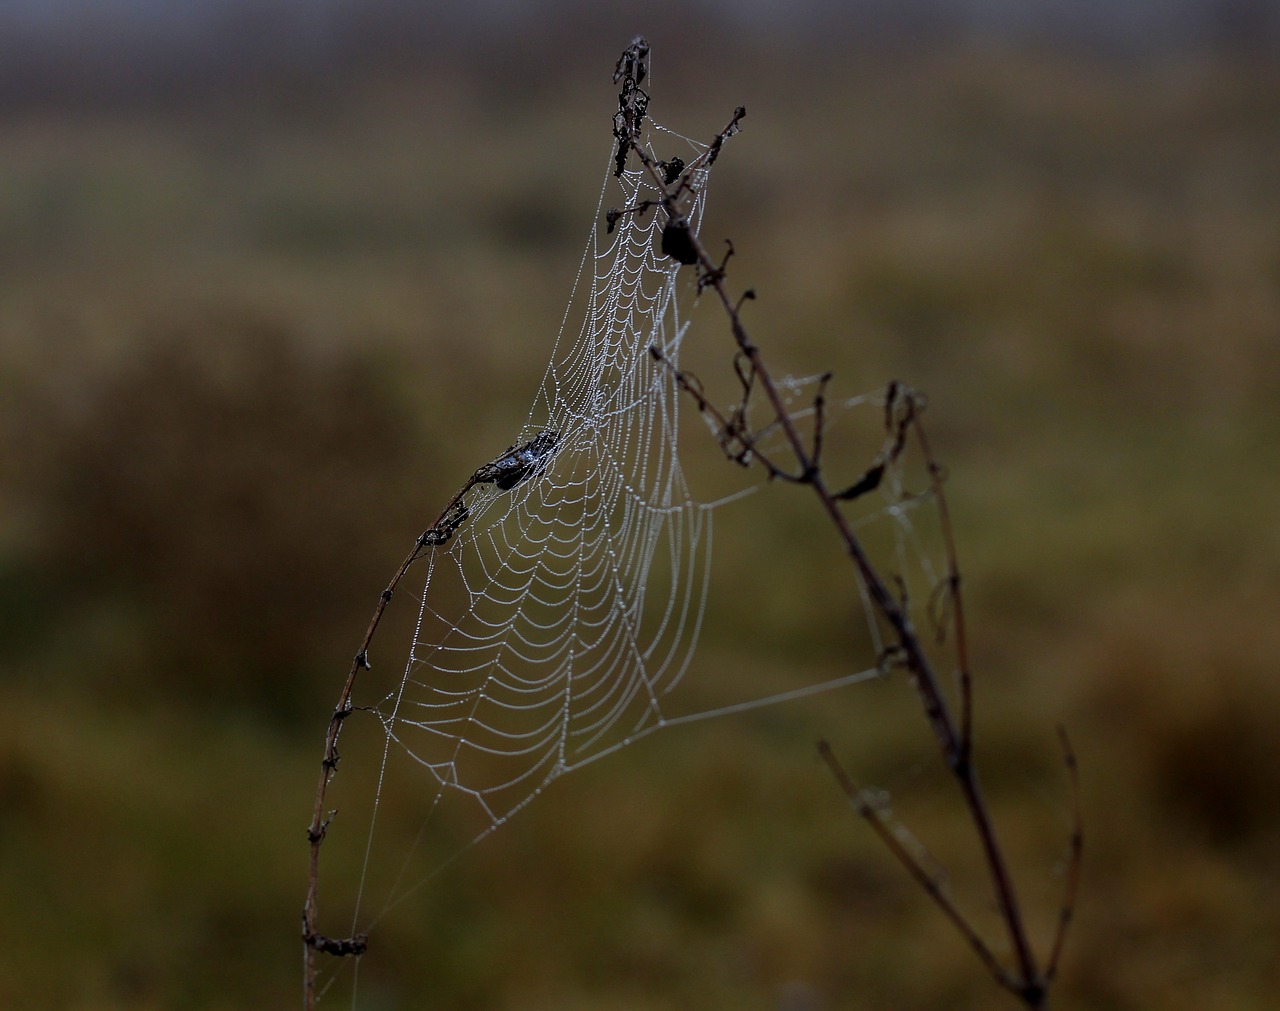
{"x":954,"y":738}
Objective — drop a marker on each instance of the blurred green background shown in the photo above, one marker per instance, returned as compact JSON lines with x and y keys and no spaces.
{"x":277,"y":277}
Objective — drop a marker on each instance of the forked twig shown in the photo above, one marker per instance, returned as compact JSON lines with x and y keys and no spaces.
{"x":735,"y":438}
{"x":1026,"y":979}
{"x":868,"y":810}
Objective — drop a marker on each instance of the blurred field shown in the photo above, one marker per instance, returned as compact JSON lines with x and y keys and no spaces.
{"x":248,"y":348}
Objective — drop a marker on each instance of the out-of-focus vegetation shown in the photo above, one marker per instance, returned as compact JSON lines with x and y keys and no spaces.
{"x":251,"y":340}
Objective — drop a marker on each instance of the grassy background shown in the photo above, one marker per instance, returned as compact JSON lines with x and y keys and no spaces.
{"x":251,"y":339}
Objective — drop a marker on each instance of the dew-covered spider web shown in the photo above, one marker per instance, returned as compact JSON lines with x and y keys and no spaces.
{"x":561,"y":596}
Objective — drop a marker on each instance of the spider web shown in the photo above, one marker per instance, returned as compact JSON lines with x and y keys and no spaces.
{"x":565,"y":609}
{"x":561,"y":615}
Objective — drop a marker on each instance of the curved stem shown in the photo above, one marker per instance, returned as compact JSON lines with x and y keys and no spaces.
{"x":437,"y":533}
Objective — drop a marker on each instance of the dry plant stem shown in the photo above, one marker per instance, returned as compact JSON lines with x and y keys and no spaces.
{"x":868,"y":810}
{"x":1074,"y":859}
{"x":312,"y":942}
{"x":953,"y":738}
{"x":953,"y":590}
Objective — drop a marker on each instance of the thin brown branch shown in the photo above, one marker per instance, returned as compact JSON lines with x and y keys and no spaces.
{"x":953,"y":589}
{"x":507,"y":470}
{"x":318,"y":829}
{"x":954,"y":738}
{"x":819,"y":424}
{"x":1075,"y":860}
{"x":738,"y":443}
{"x":870,"y":812}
